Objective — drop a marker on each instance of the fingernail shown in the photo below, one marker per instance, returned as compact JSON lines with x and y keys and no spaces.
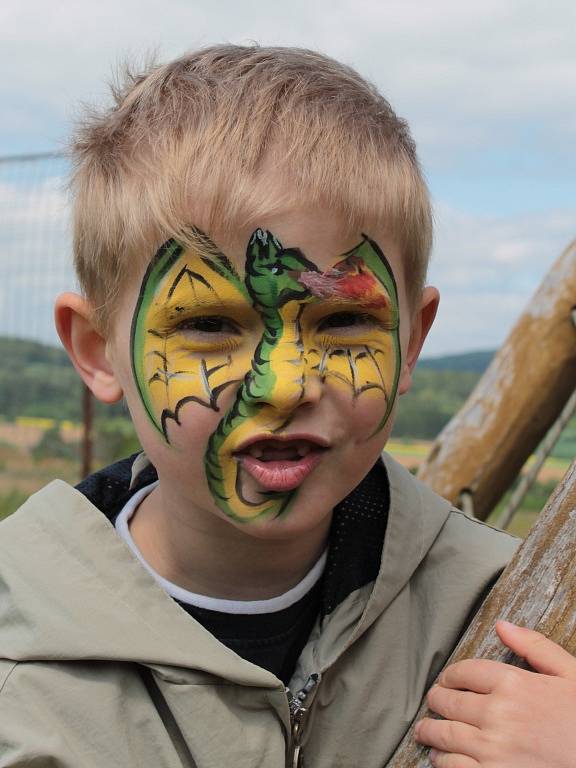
{"x":509,"y":624}
{"x":433,"y":754}
{"x":417,"y":729}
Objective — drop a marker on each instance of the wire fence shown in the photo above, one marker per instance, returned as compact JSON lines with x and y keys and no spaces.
{"x":43,"y":408}
{"x":35,"y":244}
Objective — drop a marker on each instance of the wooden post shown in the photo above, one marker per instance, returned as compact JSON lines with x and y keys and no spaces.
{"x":537,"y":590}
{"x":483,"y":448}
{"x":87,"y":431}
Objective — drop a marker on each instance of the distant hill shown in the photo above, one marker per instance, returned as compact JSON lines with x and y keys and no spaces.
{"x":472,"y":362}
{"x":21,"y":352}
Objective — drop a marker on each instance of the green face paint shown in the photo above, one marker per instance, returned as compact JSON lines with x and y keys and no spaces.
{"x":189,"y":346}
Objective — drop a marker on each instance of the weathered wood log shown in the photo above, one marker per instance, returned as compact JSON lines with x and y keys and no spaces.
{"x":537,"y":590}
{"x":485,"y":445}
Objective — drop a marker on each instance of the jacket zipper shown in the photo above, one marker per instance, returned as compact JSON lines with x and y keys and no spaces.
{"x":298,"y":716}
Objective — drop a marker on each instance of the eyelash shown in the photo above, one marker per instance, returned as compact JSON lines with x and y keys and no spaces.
{"x":193,"y":324}
{"x":222,"y":333}
{"x":357,"y":318}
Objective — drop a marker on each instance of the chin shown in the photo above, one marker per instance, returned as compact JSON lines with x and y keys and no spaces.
{"x":307,"y":511}
{"x":291,"y":525}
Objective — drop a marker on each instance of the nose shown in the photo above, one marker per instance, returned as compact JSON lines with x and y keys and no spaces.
{"x":281,"y":375}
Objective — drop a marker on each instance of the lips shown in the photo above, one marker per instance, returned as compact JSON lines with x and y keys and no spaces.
{"x":280,"y":464}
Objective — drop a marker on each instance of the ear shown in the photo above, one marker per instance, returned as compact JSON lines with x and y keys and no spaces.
{"x":420,"y":326}
{"x":85,"y":346}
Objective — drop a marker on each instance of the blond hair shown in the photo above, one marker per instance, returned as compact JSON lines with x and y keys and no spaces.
{"x":208,"y":128}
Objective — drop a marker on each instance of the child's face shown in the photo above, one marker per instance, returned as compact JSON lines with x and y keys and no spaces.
{"x":262,"y":382}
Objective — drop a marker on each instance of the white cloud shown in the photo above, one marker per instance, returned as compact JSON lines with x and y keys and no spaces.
{"x":513,"y":251}
{"x":487,"y":269}
{"x":462,"y":72}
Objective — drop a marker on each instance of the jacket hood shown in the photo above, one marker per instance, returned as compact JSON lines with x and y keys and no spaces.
{"x":71,"y":590}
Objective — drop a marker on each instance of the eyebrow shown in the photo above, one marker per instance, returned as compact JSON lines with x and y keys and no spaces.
{"x":214,"y":303}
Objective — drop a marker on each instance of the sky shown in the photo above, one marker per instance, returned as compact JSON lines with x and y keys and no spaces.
{"x":487,"y":88}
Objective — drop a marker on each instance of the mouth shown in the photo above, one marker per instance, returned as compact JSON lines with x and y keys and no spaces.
{"x":280,"y":464}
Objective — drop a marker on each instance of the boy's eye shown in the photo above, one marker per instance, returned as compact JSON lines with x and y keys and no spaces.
{"x":208,"y":325}
{"x":346,"y":320}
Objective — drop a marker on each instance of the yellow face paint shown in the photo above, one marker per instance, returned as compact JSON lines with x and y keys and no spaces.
{"x":184,"y":347}
{"x":191,"y":340}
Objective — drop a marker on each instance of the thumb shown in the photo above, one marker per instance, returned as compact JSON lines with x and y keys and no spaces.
{"x":542,"y":654}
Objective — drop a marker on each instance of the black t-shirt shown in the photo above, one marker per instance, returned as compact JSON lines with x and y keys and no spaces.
{"x":273,"y":641}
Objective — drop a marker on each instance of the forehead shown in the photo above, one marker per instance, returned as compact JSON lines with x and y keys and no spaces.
{"x":322,"y":235}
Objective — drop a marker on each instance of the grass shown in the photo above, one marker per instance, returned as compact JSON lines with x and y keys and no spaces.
{"x":9,"y":502}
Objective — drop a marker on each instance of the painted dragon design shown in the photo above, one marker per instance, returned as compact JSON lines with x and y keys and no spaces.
{"x":278,"y":285}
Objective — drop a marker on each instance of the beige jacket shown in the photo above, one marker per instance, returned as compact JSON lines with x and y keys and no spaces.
{"x":99,"y":668}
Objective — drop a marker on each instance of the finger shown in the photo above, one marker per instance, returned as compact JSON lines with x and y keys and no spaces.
{"x":477,"y":675}
{"x":452,"y":704}
{"x":447,"y":735}
{"x":446,"y":760}
{"x":542,"y":654}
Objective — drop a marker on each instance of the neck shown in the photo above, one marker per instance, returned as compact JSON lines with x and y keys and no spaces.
{"x":202,"y":553}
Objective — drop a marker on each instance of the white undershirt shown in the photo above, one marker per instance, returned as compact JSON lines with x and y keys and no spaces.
{"x":271,"y":605}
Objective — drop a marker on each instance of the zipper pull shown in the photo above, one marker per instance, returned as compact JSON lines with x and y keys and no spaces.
{"x":298,"y":716}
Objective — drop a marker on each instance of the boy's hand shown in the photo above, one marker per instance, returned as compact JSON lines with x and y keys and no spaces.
{"x":499,"y":716}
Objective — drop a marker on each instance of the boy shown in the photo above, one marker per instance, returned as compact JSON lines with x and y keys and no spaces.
{"x":251,"y":235}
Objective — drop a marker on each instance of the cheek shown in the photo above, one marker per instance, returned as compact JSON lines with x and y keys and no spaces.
{"x":190,"y":437}
{"x":363,"y":383}
{"x":363,"y":417}
{"x":187,"y":438}
{"x":182,"y":458}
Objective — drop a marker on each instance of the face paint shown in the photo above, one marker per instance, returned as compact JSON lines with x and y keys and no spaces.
{"x":181,"y":292}
{"x":189,"y":346}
